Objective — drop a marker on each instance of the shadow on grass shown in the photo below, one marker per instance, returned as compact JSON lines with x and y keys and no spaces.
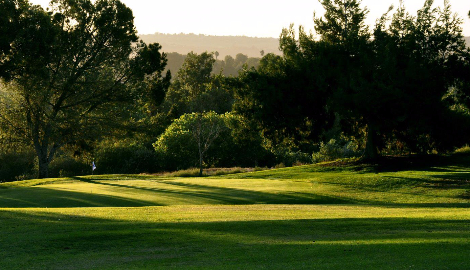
{"x":58,"y":241}
{"x":46,"y":197}
{"x":176,"y":193}
{"x":225,"y":195}
{"x":171,"y":192}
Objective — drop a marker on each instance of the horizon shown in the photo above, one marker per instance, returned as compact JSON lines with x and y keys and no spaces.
{"x":261,"y":19}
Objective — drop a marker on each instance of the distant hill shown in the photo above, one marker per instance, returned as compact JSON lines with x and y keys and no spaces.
{"x":225,"y":45}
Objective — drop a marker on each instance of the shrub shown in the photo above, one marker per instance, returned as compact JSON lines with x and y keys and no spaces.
{"x":236,"y":145}
{"x":463,"y":150}
{"x":67,"y":166}
{"x":16,"y":165}
{"x":288,"y":157}
{"x":335,"y":149}
{"x":125,"y":157}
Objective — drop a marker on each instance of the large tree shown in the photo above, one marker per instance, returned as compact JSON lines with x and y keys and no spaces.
{"x":391,"y":83}
{"x":385,"y":86}
{"x":68,"y":68}
{"x":195,"y":89}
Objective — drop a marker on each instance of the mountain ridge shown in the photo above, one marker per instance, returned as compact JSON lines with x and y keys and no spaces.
{"x":224,"y":45}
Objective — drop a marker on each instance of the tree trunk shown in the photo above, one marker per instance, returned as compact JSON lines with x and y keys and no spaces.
{"x":371,"y":153}
{"x":200,"y":164}
{"x":43,"y":164}
{"x":44,"y":159}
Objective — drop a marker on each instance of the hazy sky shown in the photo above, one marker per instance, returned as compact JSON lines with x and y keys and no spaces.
{"x":260,"y":18}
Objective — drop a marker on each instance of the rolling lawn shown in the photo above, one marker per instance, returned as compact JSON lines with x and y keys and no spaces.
{"x":306,"y":217}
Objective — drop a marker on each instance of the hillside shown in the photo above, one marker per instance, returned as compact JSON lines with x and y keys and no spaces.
{"x":225,"y":45}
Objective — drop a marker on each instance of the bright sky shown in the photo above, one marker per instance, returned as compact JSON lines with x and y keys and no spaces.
{"x":255,"y":18}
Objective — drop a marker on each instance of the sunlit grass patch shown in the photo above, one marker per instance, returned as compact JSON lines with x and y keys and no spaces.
{"x":305,"y":217}
{"x":236,"y":236}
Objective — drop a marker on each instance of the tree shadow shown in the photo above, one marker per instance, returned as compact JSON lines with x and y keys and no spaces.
{"x":69,"y":241}
{"x":56,"y":198}
{"x":225,"y":195}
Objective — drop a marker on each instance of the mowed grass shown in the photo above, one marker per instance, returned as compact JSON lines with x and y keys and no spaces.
{"x":307,"y":217}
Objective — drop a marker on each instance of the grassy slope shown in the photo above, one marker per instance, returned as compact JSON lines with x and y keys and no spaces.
{"x":309,"y":217}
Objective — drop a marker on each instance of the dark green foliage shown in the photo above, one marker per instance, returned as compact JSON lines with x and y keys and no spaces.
{"x":416,"y":62}
{"x":284,"y":156}
{"x":74,"y":72}
{"x":283,"y":95}
{"x":335,"y":149}
{"x":112,"y":158}
{"x":66,"y":166}
{"x":385,"y":88}
{"x":235,"y":144}
{"x":196,"y":89}
{"x":17,"y":165}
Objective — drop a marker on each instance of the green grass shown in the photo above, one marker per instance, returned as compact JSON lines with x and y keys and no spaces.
{"x":306,"y":217}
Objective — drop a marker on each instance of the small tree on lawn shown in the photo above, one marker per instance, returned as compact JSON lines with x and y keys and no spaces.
{"x":187,"y":140}
{"x":205,"y":128}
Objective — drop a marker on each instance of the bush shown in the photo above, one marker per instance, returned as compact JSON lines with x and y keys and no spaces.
{"x":17,"y":165}
{"x":178,"y":145}
{"x":125,"y":157}
{"x":463,"y":150}
{"x":237,"y":144}
{"x":67,"y":166}
{"x":286,"y":157}
{"x":335,"y":149}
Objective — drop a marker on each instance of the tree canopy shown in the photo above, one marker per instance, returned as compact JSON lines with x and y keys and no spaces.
{"x":68,"y":67}
{"x":387,"y":86}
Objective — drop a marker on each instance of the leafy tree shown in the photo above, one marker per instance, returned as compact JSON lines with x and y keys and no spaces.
{"x":205,"y":128}
{"x":282,"y":95}
{"x":195,"y":73}
{"x":220,"y":140}
{"x":392,"y":85}
{"x":229,"y":66}
{"x":195,"y":89}
{"x":69,"y":68}
{"x":348,"y":49}
{"x":386,"y":87}
{"x":417,"y":61}
{"x":187,"y":140}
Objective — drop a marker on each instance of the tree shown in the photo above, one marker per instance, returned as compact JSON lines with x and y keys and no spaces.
{"x":391,"y":86}
{"x":70,"y":68}
{"x":216,"y":54}
{"x":388,"y":86}
{"x":205,"y":129}
{"x":417,"y":62}
{"x":283,"y":95}
{"x":195,"y":89}
{"x":187,"y":140}
{"x":195,"y":72}
{"x":348,"y":45}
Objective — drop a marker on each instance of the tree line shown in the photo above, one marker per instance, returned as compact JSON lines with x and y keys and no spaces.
{"x":77,"y":85}
{"x":225,"y":45}
{"x":228,"y":66}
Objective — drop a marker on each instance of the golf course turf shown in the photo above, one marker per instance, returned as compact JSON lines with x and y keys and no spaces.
{"x":306,"y":217}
